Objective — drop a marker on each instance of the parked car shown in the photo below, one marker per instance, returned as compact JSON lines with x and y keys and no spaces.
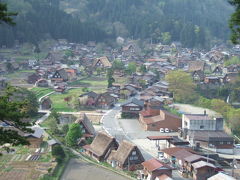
{"x":166,"y":130}
{"x":161,"y":130}
{"x":237,"y":146}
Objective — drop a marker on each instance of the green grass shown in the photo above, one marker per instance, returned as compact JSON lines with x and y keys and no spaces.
{"x":21,"y":73}
{"x":46,"y":157}
{"x":40,"y":91}
{"x":58,"y":100}
{"x":91,"y":82}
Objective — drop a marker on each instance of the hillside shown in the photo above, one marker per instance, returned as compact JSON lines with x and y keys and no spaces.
{"x":195,"y":23}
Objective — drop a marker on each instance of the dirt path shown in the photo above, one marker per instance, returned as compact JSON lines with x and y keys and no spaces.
{"x":79,"y":170}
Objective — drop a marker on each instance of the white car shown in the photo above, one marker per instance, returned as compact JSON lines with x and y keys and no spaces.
{"x":161,"y":130}
{"x":166,"y":130}
{"x":237,"y":146}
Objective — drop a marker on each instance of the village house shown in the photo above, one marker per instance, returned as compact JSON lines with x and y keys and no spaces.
{"x":52,"y":143}
{"x":60,"y":76}
{"x":218,"y":71}
{"x":204,"y":131}
{"x":102,"y":62}
{"x":33,"y":78}
{"x":36,"y":138}
{"x":203,"y":170}
{"x":86,"y":126}
{"x":154,"y":119}
{"x":101,"y":147}
{"x":201,"y":122}
{"x":213,"y":80}
{"x":71,"y":73}
{"x":132,"y":107}
{"x":127,"y":91}
{"x":154,"y":169}
{"x":198,"y":66}
{"x":127,"y":157}
{"x":88,"y":99}
{"x":217,"y":141}
{"x":105,"y":101}
{"x":190,"y":160}
{"x":42,"y":83}
{"x":46,"y":103}
{"x":231,"y":77}
{"x":198,"y":76}
{"x":177,"y":155}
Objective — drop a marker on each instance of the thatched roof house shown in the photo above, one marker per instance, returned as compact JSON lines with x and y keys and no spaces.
{"x":127,"y":156}
{"x":101,"y":146}
{"x":102,"y":62}
{"x":86,"y":125}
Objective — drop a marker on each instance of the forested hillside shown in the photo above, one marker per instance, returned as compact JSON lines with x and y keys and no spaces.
{"x":196,"y":23}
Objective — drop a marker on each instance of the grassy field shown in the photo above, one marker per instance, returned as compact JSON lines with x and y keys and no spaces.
{"x":20,"y":74}
{"x":91,"y":82}
{"x":39,"y":91}
{"x":97,"y":82}
{"x":58,"y":100}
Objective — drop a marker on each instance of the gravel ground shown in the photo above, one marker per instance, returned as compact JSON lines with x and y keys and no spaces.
{"x":187,"y":108}
{"x":79,"y":170}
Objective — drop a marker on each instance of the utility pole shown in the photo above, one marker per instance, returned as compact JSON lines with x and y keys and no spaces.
{"x":233,"y":162}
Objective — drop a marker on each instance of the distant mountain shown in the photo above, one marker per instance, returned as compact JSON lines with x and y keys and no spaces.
{"x":195,"y":23}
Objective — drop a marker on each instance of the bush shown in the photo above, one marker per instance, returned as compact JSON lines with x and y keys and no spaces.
{"x":58,"y":153}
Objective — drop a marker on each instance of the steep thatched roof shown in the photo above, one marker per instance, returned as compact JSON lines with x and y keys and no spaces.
{"x":86,"y":122}
{"x":104,"y":61}
{"x":196,"y":66}
{"x":101,"y":143}
{"x":124,"y":151}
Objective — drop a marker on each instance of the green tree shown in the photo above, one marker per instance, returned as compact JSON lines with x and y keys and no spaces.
{"x":22,"y":94}
{"x":131,"y":68}
{"x":220,"y":106}
{"x":110,"y":78}
{"x":234,"y":21}
{"x":13,"y":111}
{"x":234,"y":120}
{"x":118,"y":65}
{"x":65,"y":128}
{"x":5,"y":15}
{"x":74,"y":133}
{"x":52,"y":124}
{"x":58,"y":153}
{"x":166,"y":37}
{"x":37,"y":51}
{"x":54,"y":114}
{"x":182,"y":86}
{"x":143,"y":68}
{"x":233,"y":60}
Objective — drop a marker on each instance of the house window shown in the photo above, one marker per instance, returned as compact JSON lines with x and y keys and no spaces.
{"x":134,"y":153}
{"x":134,"y":109}
{"x":221,"y":142}
{"x":131,"y":158}
{"x":135,"y":158}
{"x":201,"y":127}
{"x":229,"y":142}
{"x":185,"y":123}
